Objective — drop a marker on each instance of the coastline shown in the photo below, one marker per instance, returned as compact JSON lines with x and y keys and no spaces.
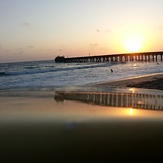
{"x":152,"y":81}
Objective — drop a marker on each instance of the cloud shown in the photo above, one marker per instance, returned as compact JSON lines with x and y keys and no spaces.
{"x":25,"y":24}
{"x":107,"y":30}
{"x":20,"y":52}
{"x":159,"y":28}
{"x":94,"y":44}
{"x":99,"y":30}
{"x":59,"y":50}
{"x":105,"y":48}
{"x":30,"y":46}
{"x":7,"y":51}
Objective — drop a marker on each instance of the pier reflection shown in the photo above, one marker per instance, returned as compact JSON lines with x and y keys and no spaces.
{"x":117,"y":99}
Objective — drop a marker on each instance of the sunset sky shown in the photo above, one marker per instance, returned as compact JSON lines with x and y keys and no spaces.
{"x":43,"y":29}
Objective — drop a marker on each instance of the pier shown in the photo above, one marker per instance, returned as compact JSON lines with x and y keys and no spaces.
{"x":125,"y":57}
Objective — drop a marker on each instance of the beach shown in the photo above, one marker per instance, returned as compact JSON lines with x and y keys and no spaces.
{"x":39,"y":126}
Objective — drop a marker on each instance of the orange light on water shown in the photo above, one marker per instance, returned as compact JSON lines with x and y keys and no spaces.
{"x":130,"y":111}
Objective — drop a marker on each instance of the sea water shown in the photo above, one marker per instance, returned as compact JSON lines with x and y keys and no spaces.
{"x":48,"y":74}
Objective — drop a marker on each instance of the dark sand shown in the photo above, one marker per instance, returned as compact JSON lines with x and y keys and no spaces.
{"x":154,"y":81}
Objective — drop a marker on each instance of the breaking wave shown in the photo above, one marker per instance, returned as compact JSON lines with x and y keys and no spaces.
{"x":36,"y":70}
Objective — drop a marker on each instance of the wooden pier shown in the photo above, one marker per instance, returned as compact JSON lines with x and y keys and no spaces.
{"x":126,"y":57}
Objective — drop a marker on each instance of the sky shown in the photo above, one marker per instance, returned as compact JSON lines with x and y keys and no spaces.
{"x":43,"y":29}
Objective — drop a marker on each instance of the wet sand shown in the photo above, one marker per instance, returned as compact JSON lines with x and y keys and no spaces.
{"x":153,"y":81}
{"x":36,"y":128}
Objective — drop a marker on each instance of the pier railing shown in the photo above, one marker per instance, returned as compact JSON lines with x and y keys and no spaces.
{"x":128,"y":57}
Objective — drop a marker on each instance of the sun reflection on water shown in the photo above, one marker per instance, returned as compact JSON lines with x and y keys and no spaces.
{"x":130,"y":111}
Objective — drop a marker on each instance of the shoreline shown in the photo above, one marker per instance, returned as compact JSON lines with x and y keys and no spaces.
{"x":151,"y":81}
{"x":148,"y":81}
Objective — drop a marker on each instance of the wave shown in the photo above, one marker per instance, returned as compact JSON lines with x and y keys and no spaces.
{"x":30,"y":67}
{"x":34,"y":70}
{"x":2,"y":74}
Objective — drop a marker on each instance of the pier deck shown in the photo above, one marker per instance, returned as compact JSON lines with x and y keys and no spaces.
{"x":126,"y":57}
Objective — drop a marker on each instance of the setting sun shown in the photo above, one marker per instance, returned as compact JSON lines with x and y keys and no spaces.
{"x":133,"y":43}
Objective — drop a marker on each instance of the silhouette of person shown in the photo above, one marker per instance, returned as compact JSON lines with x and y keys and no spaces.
{"x":111,"y":70}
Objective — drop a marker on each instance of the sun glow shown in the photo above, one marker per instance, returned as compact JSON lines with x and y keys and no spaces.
{"x":133,"y":43}
{"x":130,"y":111}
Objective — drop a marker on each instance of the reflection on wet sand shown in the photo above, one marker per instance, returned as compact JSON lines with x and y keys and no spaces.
{"x":117,"y":99}
{"x":35,"y":128}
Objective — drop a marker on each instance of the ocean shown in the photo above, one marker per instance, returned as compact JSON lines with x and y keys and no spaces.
{"x":50,"y":75}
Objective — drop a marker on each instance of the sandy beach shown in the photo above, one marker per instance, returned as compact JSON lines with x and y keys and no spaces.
{"x":153,"y":81}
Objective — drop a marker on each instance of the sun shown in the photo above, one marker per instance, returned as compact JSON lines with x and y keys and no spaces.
{"x":133,"y":43}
